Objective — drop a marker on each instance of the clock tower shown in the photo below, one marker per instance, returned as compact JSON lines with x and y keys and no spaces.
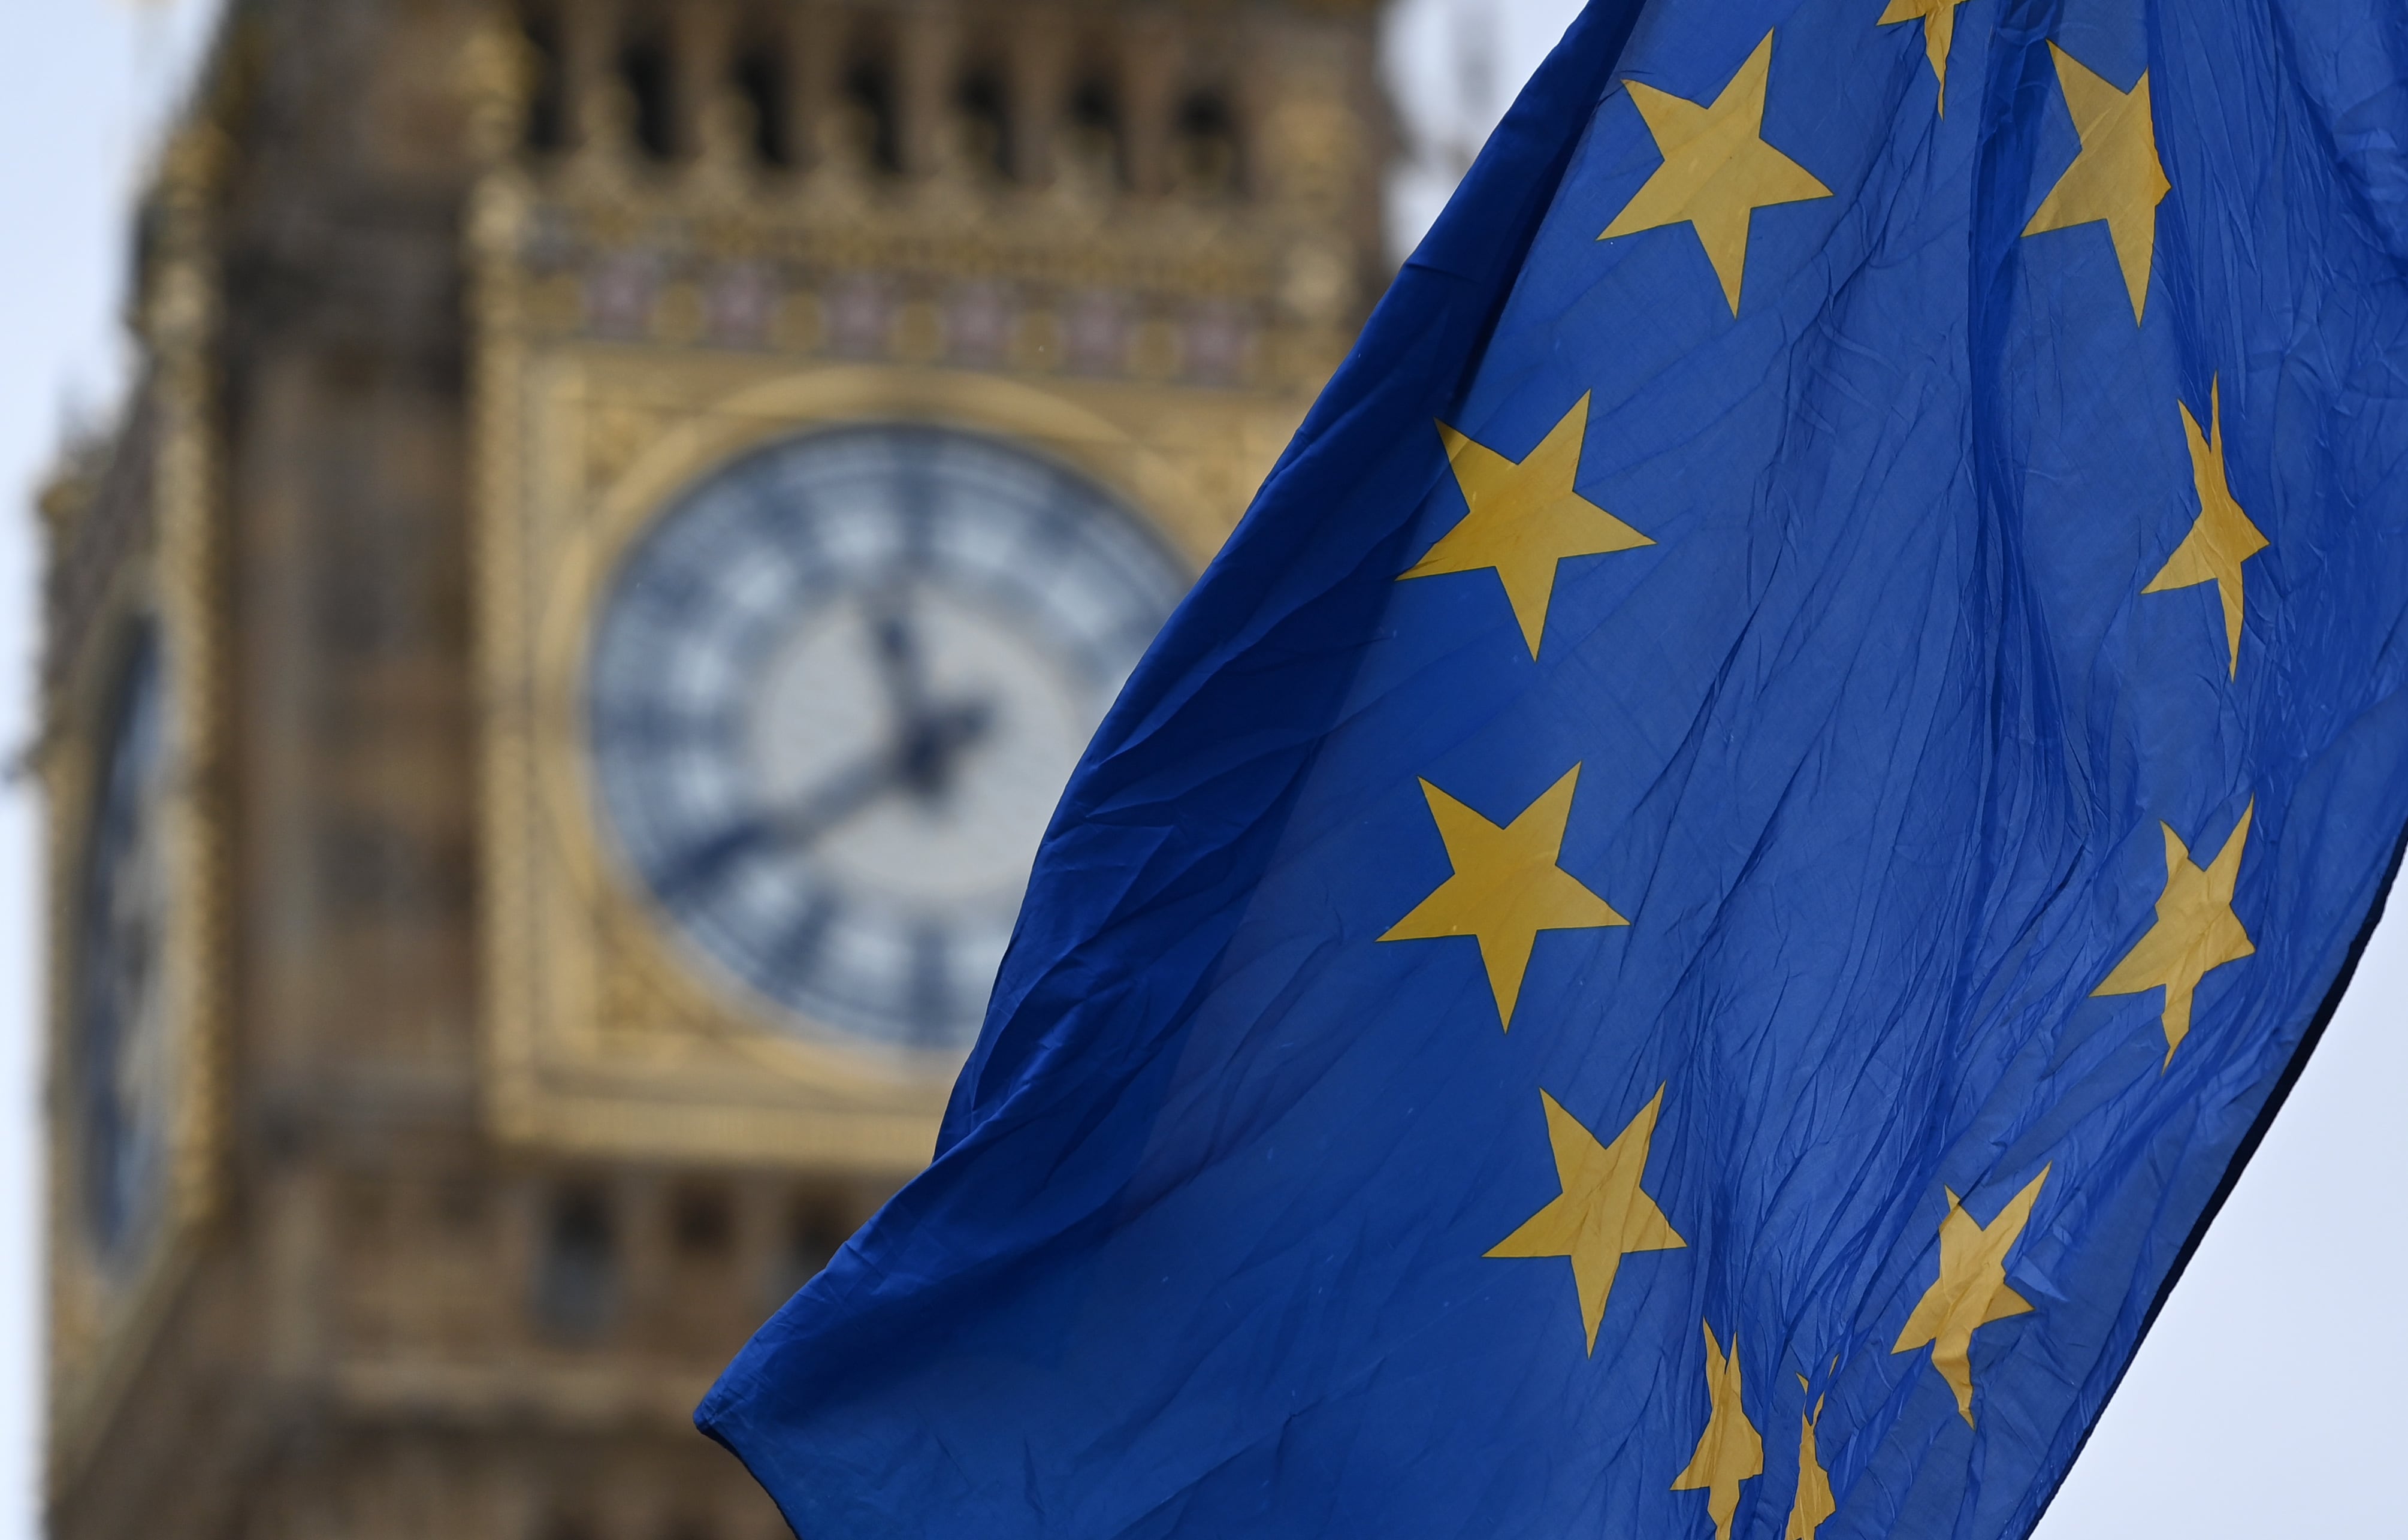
{"x":629,"y":513}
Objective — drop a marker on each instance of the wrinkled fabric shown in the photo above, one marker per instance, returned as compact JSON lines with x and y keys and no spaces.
{"x":1879,"y":743}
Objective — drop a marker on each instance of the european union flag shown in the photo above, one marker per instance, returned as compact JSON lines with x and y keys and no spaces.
{"x":1685,"y":929}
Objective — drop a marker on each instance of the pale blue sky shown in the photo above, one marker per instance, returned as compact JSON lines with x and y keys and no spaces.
{"x":2265,"y":1403}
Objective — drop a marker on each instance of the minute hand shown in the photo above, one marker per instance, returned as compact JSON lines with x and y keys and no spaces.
{"x":919,"y":760}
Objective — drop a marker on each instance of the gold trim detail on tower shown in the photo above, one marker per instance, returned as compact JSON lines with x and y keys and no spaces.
{"x":162,"y":571}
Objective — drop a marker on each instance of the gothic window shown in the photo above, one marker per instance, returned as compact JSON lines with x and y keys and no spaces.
{"x":814,"y":1235}
{"x":577,"y":1283}
{"x":871,"y":108}
{"x":701,"y":1224}
{"x":1204,"y":146}
{"x":760,"y":80}
{"x":1096,"y":131}
{"x":984,"y":125}
{"x":547,"y":107}
{"x":644,"y":71}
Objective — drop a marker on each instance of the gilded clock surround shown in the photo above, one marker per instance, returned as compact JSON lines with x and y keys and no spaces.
{"x":644,"y":979}
{"x":633,"y":331}
{"x":136,"y":530}
{"x":604,"y":1006}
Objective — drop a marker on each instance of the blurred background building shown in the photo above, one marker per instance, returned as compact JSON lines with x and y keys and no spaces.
{"x":626,"y":515}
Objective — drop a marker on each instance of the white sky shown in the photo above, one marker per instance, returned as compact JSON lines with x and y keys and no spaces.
{"x":2264,"y":1403}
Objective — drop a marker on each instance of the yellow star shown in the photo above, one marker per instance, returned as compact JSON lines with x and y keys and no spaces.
{"x":1524,"y":517}
{"x":1601,"y":1216}
{"x":1813,"y":1502}
{"x":1717,"y":170}
{"x":1505,"y":887}
{"x":1730,"y":1450}
{"x":1970,"y":1291}
{"x":1938,"y":19}
{"x":2115,"y":177}
{"x":2195,"y":931}
{"x":2221,"y":538}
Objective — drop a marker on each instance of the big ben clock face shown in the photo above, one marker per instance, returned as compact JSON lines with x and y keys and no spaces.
{"x":121,"y":1050}
{"x":832,"y":697}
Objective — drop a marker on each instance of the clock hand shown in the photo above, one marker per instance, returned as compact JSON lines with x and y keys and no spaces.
{"x":936,"y":742}
{"x":837,"y":798}
{"x":928,"y":739}
{"x":699,"y":863}
{"x":855,"y":786}
{"x":899,"y":661}
{"x":921,"y":761}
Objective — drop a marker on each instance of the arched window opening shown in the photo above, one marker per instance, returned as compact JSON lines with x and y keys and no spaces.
{"x":702,"y":1223}
{"x":984,"y":125}
{"x":869,"y":105}
{"x":813,"y":1237}
{"x":644,"y":70}
{"x":1096,"y":131}
{"x":760,"y":80}
{"x":577,"y":1282}
{"x":546,"y":128}
{"x":1204,"y":146}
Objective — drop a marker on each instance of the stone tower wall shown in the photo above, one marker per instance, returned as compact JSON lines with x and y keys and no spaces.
{"x":380,"y":1318}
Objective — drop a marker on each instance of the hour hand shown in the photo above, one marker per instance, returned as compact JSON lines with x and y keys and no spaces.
{"x":933,"y":746}
{"x":929,"y":738}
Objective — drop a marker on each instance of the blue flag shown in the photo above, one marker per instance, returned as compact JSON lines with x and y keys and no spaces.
{"x":1687,"y":927}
